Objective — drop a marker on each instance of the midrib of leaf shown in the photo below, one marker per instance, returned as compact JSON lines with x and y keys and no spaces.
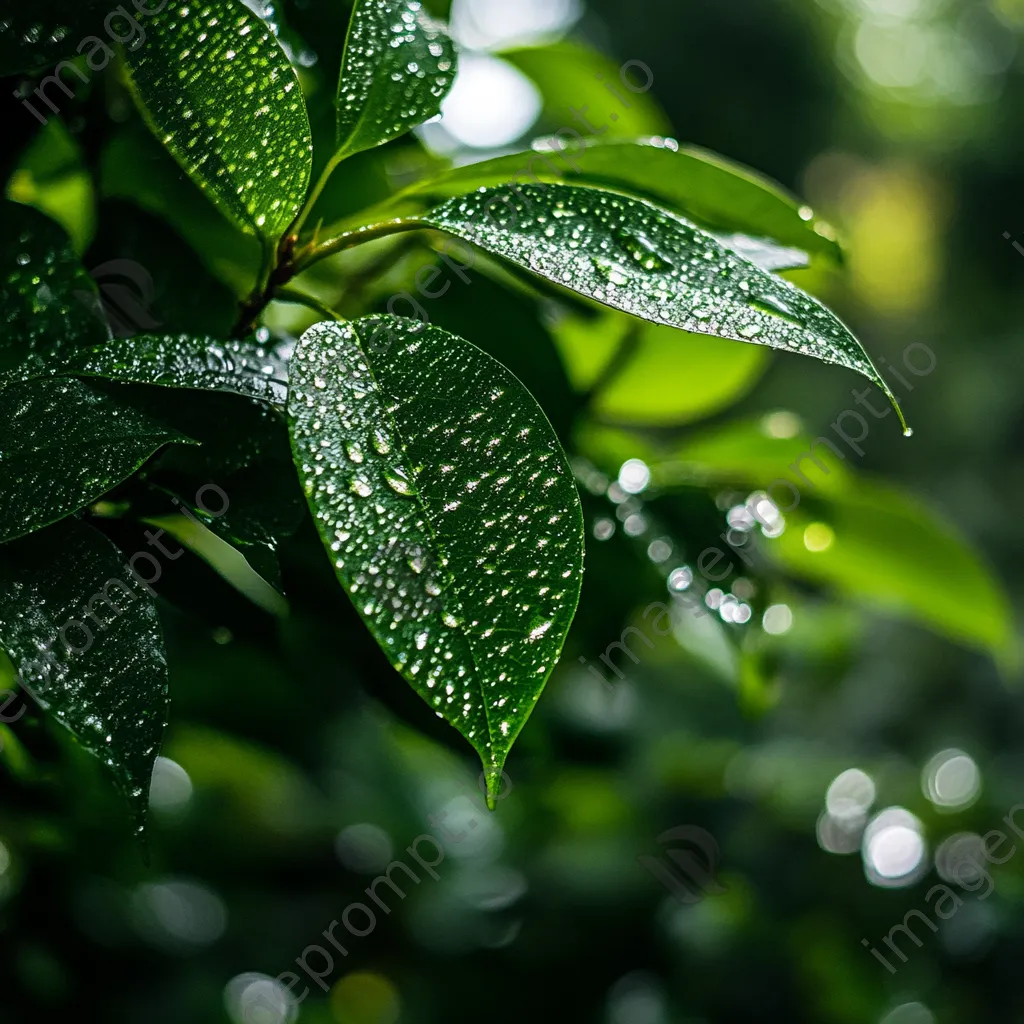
{"x":451,"y":586}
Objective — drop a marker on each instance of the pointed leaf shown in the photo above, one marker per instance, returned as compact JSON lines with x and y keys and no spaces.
{"x":644,"y":260}
{"x":62,"y":445}
{"x":85,"y":639}
{"x":48,"y":300}
{"x":216,"y":87}
{"x":713,"y":192}
{"x":448,"y":510}
{"x":397,"y":68}
{"x":243,"y":366}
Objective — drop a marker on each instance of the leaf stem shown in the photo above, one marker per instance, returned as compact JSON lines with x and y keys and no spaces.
{"x":321,"y":184}
{"x":310,"y":301}
{"x":305,"y":258}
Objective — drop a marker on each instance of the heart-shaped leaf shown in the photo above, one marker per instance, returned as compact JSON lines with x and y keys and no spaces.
{"x":84,"y":637}
{"x":49,"y":303}
{"x":636,"y":257}
{"x":449,"y":512}
{"x":216,"y":87}
{"x":62,"y":445}
{"x":397,"y":67}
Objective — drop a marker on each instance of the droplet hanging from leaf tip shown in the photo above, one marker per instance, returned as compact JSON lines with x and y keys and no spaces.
{"x":493,"y":774}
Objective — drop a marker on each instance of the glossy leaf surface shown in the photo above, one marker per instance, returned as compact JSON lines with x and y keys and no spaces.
{"x":641,"y":259}
{"x":62,"y":445}
{"x":84,"y":636}
{"x":449,"y":512}
{"x":397,"y":68}
{"x":218,"y":90}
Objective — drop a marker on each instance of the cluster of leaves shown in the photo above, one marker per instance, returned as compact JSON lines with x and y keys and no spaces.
{"x":439,"y":488}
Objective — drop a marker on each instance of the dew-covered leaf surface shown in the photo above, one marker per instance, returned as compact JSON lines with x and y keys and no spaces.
{"x":647,"y":261}
{"x":62,"y":445}
{"x":448,"y":511}
{"x":47,"y":301}
{"x":245,"y":366}
{"x":218,"y":90}
{"x":397,"y":68}
{"x":84,"y":637}
{"x":713,"y":192}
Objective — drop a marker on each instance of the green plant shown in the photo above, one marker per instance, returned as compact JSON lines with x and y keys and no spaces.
{"x":438,"y":486}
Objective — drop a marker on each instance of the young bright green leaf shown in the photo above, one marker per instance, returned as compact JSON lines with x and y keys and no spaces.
{"x":85,"y":639}
{"x":880,"y":545}
{"x":646,"y":374}
{"x":240,"y":366}
{"x":641,"y":259}
{"x":397,"y":68}
{"x":717,"y":194}
{"x":49,"y":303}
{"x":62,"y":445}
{"x":449,"y":512}
{"x":216,"y":87}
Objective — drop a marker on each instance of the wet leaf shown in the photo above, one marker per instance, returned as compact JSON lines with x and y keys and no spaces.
{"x":218,"y":90}
{"x":449,"y":512}
{"x":243,"y":367}
{"x":736,"y":203}
{"x":62,"y":445}
{"x":49,"y":303}
{"x":397,"y":68}
{"x":85,"y":639}
{"x":641,"y":259}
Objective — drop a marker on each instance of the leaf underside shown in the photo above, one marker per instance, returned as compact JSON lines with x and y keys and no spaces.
{"x":85,"y":640}
{"x":448,"y":510}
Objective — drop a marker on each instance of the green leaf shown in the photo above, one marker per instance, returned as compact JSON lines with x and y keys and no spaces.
{"x":725,"y":197}
{"x":638,"y":258}
{"x":397,"y":67}
{"x":889,"y":550}
{"x":867,"y":539}
{"x":216,"y":87}
{"x":48,"y":300}
{"x":39,"y":34}
{"x":573,"y":78}
{"x":62,"y":445}
{"x":243,"y":367}
{"x":449,"y":512}
{"x":645,"y":374}
{"x":84,"y":636}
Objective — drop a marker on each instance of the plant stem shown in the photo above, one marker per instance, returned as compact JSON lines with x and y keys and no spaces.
{"x":310,"y":301}
{"x":347,"y":239}
{"x":321,"y":184}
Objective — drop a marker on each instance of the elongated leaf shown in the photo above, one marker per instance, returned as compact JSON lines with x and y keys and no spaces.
{"x":713,"y":192}
{"x":641,"y":259}
{"x":397,"y":68}
{"x":244,"y":367}
{"x":41,"y":33}
{"x":85,"y":639}
{"x":62,"y":445}
{"x":49,"y":303}
{"x":448,"y":511}
{"x":216,"y":87}
{"x":883,"y":547}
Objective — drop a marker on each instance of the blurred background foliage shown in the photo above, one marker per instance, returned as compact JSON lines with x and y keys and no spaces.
{"x":843,"y":719}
